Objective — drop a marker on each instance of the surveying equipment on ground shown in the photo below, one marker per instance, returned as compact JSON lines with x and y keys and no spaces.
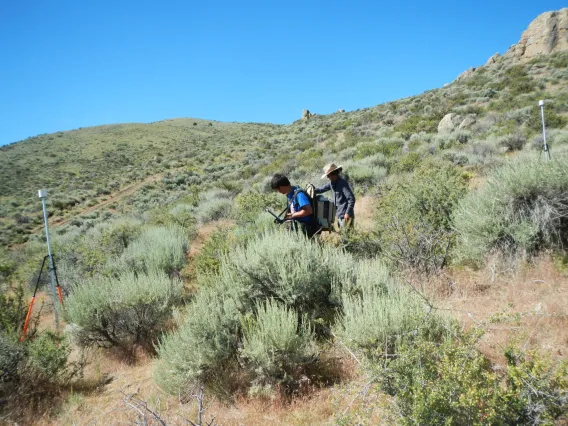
{"x":55,"y":287}
{"x":545,"y":145}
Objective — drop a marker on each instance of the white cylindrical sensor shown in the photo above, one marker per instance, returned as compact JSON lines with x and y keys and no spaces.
{"x":42,"y":193}
{"x":541,"y":102}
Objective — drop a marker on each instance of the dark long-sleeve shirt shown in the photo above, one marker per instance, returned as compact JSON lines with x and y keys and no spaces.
{"x":343,"y":196}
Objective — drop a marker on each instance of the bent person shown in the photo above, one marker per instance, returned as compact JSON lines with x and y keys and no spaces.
{"x":299,"y":207}
{"x":343,"y":196}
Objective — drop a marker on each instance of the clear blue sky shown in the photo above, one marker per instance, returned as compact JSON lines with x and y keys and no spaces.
{"x":76,"y":63}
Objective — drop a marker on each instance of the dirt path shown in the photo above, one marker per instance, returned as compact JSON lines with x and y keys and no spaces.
{"x":117,"y":196}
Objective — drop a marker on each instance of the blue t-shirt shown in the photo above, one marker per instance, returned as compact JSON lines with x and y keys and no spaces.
{"x":296,"y":203}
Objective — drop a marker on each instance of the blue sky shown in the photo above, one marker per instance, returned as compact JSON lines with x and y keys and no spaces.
{"x":72,"y":63}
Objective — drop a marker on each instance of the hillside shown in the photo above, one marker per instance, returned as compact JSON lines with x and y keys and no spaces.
{"x":175,"y":279}
{"x":495,"y":110}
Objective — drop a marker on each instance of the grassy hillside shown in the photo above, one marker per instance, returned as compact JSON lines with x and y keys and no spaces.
{"x":82,"y":166}
{"x":434,"y":303}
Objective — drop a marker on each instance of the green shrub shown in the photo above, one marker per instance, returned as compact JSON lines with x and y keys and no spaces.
{"x":214,"y":209}
{"x":380,"y":312}
{"x":248,"y":205}
{"x":204,"y":346}
{"x":12,"y":309}
{"x":276,"y":346}
{"x":11,"y":354}
{"x":289,"y":268}
{"x":48,"y":354}
{"x":216,"y":246}
{"x":156,"y":248}
{"x":132,"y":308}
{"x":414,"y":216}
{"x":522,"y":207}
{"x":452,"y":383}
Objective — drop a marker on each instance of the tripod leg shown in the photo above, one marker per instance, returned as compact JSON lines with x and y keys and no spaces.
{"x":30,"y":308}
{"x":57,"y":280}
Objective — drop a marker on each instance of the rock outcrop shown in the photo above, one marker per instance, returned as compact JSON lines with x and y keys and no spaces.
{"x":306,"y":114}
{"x":547,"y":34}
{"x":452,"y":122}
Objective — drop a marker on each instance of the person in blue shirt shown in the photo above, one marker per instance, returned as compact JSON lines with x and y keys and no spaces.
{"x":299,"y":207}
{"x":343,"y":196}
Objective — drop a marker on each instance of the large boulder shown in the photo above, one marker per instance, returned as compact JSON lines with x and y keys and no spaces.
{"x":449,"y":123}
{"x":452,"y":122}
{"x":547,"y":34}
{"x":306,"y":114}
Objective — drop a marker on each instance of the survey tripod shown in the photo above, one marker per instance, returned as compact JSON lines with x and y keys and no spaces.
{"x":53,"y":271}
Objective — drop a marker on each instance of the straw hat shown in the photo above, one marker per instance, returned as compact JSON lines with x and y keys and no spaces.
{"x":330,"y":168}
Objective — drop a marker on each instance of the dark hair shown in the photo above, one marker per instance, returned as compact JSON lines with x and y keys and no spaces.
{"x":279,"y":180}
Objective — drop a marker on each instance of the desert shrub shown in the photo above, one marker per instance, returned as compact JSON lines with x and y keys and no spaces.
{"x":453,"y":383}
{"x":522,"y":207}
{"x":406,"y":163}
{"x":88,"y":253}
{"x":204,"y":346}
{"x":551,"y":119}
{"x":11,"y":354}
{"x":215,"y":247}
{"x":380,"y":312}
{"x":289,"y":268}
{"x":132,"y":308}
{"x":156,"y":248}
{"x":514,"y":142}
{"x":276,"y":346}
{"x":414,"y":216}
{"x":248,"y":205}
{"x":213,"y":209}
{"x":12,"y":308}
{"x":181,"y":214}
{"x":48,"y":354}
{"x":362,"y":175}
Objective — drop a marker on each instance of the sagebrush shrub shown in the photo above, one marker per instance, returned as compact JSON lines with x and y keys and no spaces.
{"x":290,"y":268}
{"x":204,"y":344}
{"x":276,"y":345}
{"x":156,"y":248}
{"x":379,"y":312}
{"x":521,"y":208}
{"x":132,"y":308}
{"x":214,"y":209}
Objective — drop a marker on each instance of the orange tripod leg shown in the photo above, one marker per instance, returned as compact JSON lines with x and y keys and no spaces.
{"x":27,"y":322}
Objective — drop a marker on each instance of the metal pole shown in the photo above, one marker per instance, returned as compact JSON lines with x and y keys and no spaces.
{"x":42,"y":193}
{"x":546,"y":150}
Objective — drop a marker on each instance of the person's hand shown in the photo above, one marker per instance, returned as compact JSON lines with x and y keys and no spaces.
{"x":346,"y":218}
{"x":288,"y":216}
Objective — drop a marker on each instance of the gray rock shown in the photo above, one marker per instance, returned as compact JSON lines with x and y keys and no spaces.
{"x":547,"y":34}
{"x":449,"y":123}
{"x":468,"y":121}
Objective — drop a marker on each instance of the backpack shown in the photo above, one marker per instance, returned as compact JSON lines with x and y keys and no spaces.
{"x":322,"y":208}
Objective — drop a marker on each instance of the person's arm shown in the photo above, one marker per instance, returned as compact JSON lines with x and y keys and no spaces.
{"x":350,"y":197}
{"x":305,"y":211}
{"x":324,"y":188}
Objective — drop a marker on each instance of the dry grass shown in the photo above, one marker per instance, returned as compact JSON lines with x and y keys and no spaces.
{"x":524,"y":305}
{"x":108,"y":403}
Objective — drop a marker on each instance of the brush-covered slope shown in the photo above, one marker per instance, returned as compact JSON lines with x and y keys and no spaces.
{"x":486,"y":114}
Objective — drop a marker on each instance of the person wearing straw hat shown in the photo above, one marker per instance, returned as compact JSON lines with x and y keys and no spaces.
{"x":343,"y":196}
